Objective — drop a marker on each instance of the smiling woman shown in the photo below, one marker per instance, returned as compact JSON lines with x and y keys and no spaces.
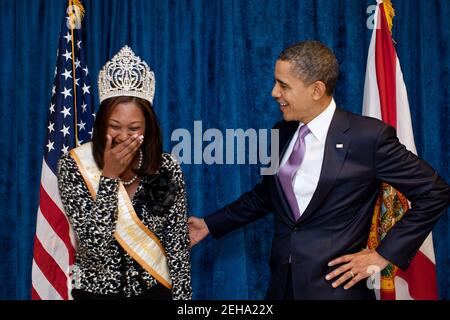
{"x":119,"y":119}
{"x":125,"y":198}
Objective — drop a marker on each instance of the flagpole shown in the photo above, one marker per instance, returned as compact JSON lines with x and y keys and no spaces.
{"x":71,"y":23}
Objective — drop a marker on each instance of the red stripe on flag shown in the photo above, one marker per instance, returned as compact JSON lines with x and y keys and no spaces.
{"x":387,"y":295}
{"x":34,"y":294}
{"x":57,"y":220}
{"x":50,"y":269}
{"x":421,"y":278}
{"x":385,"y":62}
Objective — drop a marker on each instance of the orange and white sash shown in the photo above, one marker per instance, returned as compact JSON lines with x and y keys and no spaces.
{"x":134,"y":237}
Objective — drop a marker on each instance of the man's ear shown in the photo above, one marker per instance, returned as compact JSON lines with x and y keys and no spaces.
{"x":319,"y":90}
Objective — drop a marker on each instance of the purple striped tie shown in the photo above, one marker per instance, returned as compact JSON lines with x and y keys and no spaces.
{"x":288,"y":170}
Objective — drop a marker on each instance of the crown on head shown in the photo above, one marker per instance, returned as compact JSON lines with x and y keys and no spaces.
{"x":126,"y":75}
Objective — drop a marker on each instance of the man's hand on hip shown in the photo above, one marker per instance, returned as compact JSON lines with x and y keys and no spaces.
{"x":355,"y":267}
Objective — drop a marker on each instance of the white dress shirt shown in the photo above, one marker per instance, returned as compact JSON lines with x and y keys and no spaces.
{"x":307,"y":176}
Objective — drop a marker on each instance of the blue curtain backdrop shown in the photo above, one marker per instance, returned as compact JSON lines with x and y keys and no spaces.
{"x":213,"y":62}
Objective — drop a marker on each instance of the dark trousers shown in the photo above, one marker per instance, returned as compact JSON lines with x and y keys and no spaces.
{"x":289,"y":293}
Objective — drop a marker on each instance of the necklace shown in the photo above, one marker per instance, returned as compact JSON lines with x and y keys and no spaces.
{"x":127,"y":183}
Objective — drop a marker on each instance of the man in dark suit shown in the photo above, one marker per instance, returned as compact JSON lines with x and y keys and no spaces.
{"x":323,"y":196}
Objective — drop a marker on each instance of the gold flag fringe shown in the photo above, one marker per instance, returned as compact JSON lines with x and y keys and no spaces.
{"x":390,"y":13}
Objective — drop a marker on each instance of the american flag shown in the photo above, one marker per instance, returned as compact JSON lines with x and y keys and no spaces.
{"x":69,"y":125}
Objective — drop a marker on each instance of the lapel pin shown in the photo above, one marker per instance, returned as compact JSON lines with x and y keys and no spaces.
{"x":339,"y":145}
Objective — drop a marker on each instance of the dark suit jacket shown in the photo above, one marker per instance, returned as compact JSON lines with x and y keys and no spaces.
{"x":338,"y":218}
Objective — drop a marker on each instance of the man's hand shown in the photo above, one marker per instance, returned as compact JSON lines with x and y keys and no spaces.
{"x":198,"y":230}
{"x":355,"y":267}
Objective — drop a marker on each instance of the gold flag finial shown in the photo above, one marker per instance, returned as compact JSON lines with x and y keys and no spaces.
{"x":78,"y":9}
{"x":390,"y":13}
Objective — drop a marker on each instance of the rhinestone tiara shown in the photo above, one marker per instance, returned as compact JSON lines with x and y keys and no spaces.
{"x":126,"y":75}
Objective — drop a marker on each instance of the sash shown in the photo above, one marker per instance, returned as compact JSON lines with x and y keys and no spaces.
{"x":134,"y":237}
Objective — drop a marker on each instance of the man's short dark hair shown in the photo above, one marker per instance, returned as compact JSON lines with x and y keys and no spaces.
{"x":313,"y":61}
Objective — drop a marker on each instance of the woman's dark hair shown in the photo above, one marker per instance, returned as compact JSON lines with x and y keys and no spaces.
{"x":152,"y":145}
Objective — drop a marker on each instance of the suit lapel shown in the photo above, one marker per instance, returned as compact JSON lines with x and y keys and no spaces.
{"x":336,"y":146}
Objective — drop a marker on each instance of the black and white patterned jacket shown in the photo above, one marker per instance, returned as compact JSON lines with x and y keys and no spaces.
{"x":102,"y":266}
